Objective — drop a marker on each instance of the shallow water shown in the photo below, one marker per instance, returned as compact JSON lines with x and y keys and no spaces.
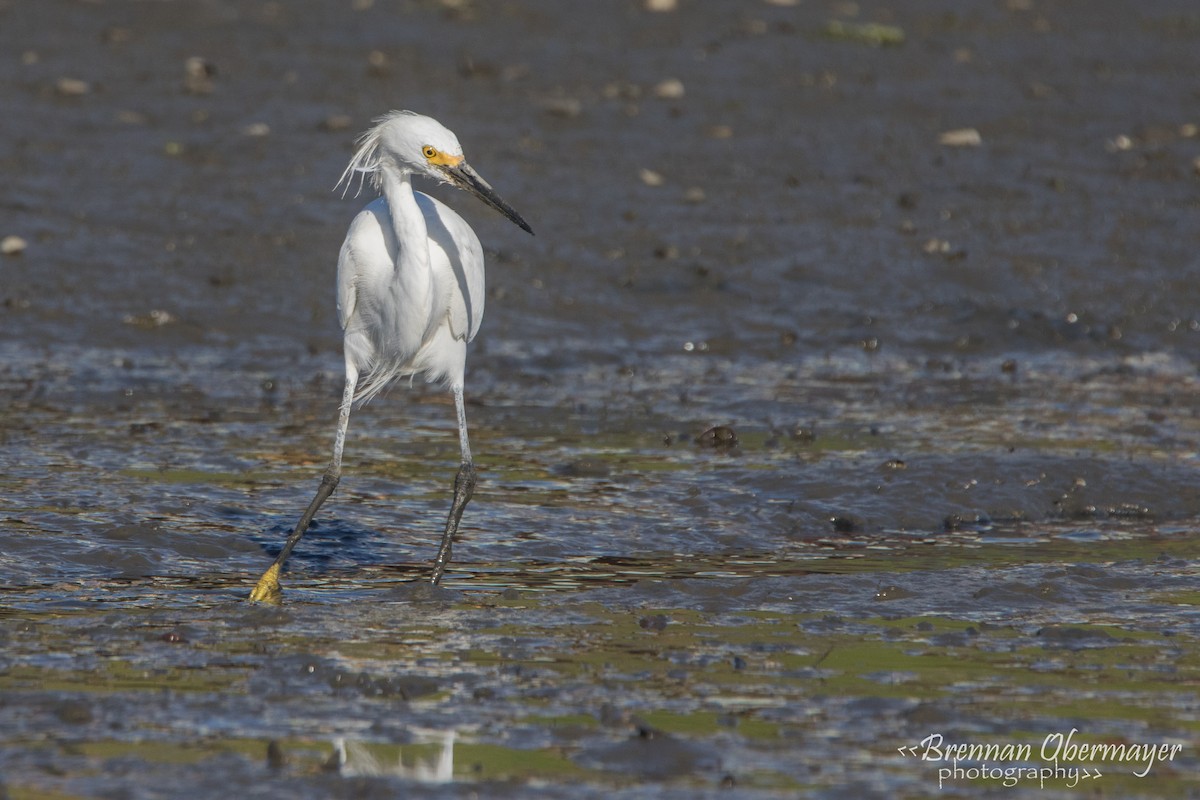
{"x":962,"y":382}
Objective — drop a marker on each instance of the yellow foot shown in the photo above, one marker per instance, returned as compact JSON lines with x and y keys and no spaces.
{"x":268,"y":590}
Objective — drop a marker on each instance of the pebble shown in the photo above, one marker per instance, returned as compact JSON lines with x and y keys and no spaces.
{"x":718,"y":436}
{"x":72,"y":87}
{"x":276,"y":759}
{"x":132,"y":118}
{"x":154,"y":319}
{"x":336,"y":122}
{"x":669,"y":89}
{"x":565,"y":107}
{"x":377,"y":62}
{"x":1120,"y":143}
{"x":12,"y":245}
{"x":650,"y":177}
{"x":198,"y":75}
{"x":961,"y":137}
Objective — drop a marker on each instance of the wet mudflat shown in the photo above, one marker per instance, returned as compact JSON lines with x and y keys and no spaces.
{"x":848,"y":396}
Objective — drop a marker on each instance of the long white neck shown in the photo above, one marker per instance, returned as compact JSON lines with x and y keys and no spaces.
{"x":411,"y":315}
{"x":407,"y":221}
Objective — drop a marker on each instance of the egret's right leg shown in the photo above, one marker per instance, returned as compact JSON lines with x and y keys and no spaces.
{"x":268,"y":589}
{"x":464,"y":487}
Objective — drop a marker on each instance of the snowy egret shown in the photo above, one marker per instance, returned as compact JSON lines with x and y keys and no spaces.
{"x":410,"y":293}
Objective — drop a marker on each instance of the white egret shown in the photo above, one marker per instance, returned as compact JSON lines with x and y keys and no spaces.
{"x":410,"y":293}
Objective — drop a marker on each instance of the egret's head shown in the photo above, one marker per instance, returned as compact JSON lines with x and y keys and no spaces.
{"x":402,"y":142}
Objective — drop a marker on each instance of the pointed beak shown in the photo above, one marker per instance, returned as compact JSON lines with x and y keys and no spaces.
{"x":462,"y":176}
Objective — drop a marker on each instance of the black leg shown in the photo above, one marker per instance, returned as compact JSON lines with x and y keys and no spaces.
{"x":268,"y":589}
{"x":464,"y":487}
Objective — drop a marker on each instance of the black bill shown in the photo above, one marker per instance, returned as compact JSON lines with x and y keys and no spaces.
{"x":464,"y":177}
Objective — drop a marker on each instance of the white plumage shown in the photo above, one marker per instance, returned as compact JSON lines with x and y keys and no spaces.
{"x":401,"y":316}
{"x":410,"y":292}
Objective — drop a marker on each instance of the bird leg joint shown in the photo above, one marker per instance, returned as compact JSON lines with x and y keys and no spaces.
{"x":464,"y":484}
{"x":329,"y":482}
{"x":464,"y":487}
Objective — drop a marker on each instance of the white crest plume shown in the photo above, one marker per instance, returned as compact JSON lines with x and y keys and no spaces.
{"x":365,"y":160}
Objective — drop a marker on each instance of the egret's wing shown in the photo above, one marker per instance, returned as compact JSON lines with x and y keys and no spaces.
{"x":367,"y":252}
{"x":347,"y":295}
{"x":462,"y":253}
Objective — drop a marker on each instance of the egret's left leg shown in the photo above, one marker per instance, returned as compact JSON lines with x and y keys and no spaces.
{"x":464,"y":487}
{"x":268,"y":589}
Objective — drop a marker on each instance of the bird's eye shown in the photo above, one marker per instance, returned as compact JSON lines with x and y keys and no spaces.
{"x":429,"y":151}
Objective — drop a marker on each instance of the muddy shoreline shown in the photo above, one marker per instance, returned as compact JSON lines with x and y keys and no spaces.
{"x":935,"y":267}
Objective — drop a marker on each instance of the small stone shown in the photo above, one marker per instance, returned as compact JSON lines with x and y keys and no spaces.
{"x":670,"y":89}
{"x":336,"y":122}
{"x":961,"y":137}
{"x":565,"y":107}
{"x":74,"y":712}
{"x":654,"y":622}
{"x":694,"y":195}
{"x":154,"y":319}
{"x":650,"y":177}
{"x":843,"y":524}
{"x":868,"y":33}
{"x":198,"y":73}
{"x":1121,"y":143}
{"x":257,"y":129}
{"x":72,"y":87}
{"x":116,"y":35}
{"x":377,"y":62}
{"x":718,"y":436}
{"x":803,"y":433}
{"x":12,"y":245}
{"x":1041,"y":91}
{"x":131,"y":118}
{"x":661,"y":6}
{"x":276,"y":759}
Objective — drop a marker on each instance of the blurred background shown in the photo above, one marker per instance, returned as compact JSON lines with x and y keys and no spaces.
{"x":812,"y":281}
